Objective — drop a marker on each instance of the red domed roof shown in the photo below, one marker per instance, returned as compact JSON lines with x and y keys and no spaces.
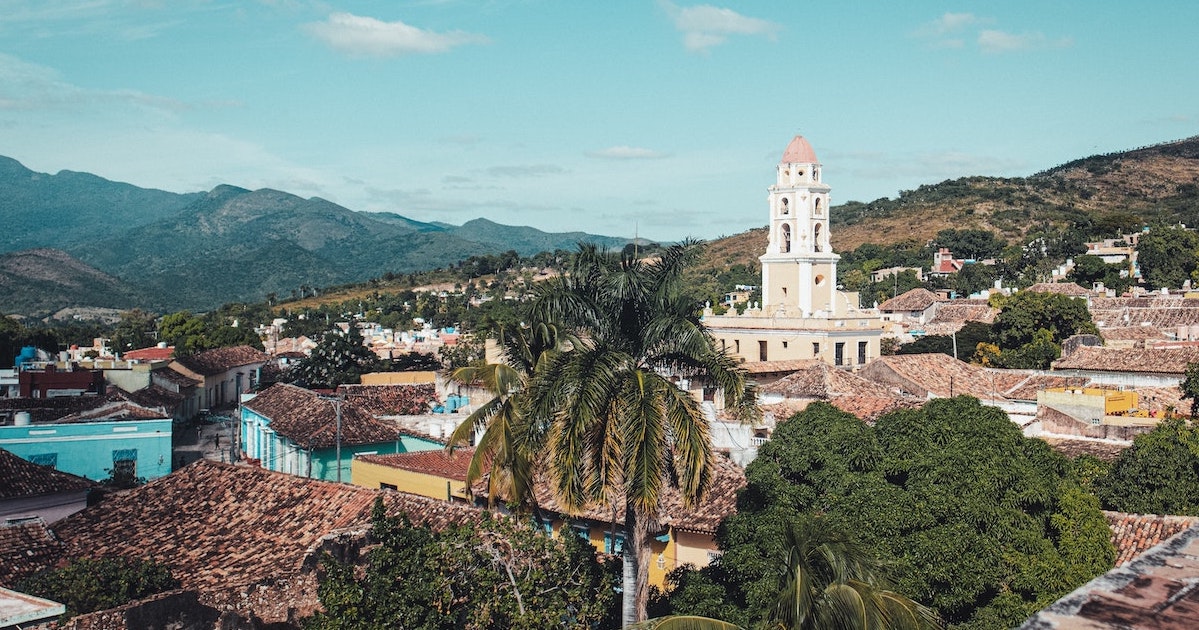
{"x":799,"y":151}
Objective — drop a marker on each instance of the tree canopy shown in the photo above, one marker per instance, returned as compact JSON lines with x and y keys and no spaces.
{"x":338,"y":358}
{"x":496,"y":574}
{"x":1030,"y":327}
{"x":1157,"y":474}
{"x":975,"y":520}
{"x":1168,"y":257}
{"x":87,"y":585}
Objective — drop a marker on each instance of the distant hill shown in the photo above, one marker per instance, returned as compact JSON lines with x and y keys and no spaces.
{"x":38,"y":282}
{"x":1125,"y":190}
{"x":200,"y":250}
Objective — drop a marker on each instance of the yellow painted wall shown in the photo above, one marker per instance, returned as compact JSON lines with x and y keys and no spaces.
{"x":398,"y":378}
{"x":370,"y":475}
{"x":693,"y":548}
{"x":682,"y":548}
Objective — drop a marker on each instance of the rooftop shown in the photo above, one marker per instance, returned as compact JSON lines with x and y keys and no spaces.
{"x":917,"y":299}
{"x":1133,"y":534}
{"x":219,"y":525}
{"x":153,"y":353}
{"x":799,"y":151}
{"x":305,"y":418}
{"x":220,"y":360}
{"x":26,"y":547}
{"x":23,"y":478}
{"x":435,"y":462}
{"x":939,"y":374}
{"x":1099,"y":359}
{"x":1064,"y":288}
{"x":817,"y":379}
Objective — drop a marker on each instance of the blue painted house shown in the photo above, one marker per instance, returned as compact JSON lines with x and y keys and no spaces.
{"x":118,"y":435}
{"x":293,"y":430}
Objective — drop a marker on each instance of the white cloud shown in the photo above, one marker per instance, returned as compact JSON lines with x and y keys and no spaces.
{"x":994,"y":41}
{"x":949,"y":23}
{"x":704,"y":26}
{"x":623,"y":152}
{"x":367,"y":36}
{"x":29,"y":86}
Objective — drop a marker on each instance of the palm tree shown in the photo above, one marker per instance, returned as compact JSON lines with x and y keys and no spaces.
{"x":616,"y":429}
{"x":826,"y":582}
{"x":505,"y":452}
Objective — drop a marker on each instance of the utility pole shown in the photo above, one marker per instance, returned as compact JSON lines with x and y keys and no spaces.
{"x":336,"y":401}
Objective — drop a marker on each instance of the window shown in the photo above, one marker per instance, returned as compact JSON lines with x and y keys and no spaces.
{"x":124,"y":462}
{"x":817,"y":206}
{"x":581,"y":530}
{"x":45,"y":459}
{"x":613,"y":548}
{"x":387,"y":486}
{"x":816,"y":348}
{"x":784,"y":344}
{"x":761,"y":350}
{"x":737,"y":346}
{"x":786,"y":206}
{"x":816,"y":238}
{"x":861,"y":352}
{"x":785,"y":237}
{"x":839,"y":353}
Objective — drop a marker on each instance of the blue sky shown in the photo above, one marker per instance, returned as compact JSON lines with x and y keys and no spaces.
{"x":656,"y":117}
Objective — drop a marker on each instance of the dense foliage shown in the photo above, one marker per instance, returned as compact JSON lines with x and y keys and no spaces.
{"x":975,"y":520}
{"x":339,"y":358}
{"x":1168,"y":257}
{"x":493,"y":575}
{"x":1030,"y":328}
{"x":1158,"y":474}
{"x":190,"y":334}
{"x":87,"y":585}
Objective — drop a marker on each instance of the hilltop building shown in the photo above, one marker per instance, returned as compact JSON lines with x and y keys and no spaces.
{"x":802,"y":314}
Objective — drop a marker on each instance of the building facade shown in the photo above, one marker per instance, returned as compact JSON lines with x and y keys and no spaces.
{"x":802,"y":314}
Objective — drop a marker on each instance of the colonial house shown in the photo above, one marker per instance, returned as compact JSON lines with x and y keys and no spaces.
{"x":294,"y":430}
{"x":115,"y":435}
{"x":802,"y":315}
{"x":437,"y":474}
{"x":223,"y":374}
{"x":1128,"y":367}
{"x":820,"y":382}
{"x":915,"y":307}
{"x":33,"y":491}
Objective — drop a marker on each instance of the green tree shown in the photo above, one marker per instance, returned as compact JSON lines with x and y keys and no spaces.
{"x":495,"y":574}
{"x":972,"y":244}
{"x":339,"y":358}
{"x":508,"y":447}
{"x":136,"y":329}
{"x":826,"y":581}
{"x":1167,"y":257}
{"x":1090,"y":269}
{"x":87,"y":585}
{"x":1030,"y":327}
{"x":1190,"y":387}
{"x":1157,"y":474}
{"x":615,"y":429}
{"x":972,"y":518}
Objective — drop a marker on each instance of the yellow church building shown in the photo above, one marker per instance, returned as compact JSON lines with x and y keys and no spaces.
{"x":802,"y":314}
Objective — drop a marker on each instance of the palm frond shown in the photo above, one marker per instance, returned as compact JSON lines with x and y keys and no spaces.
{"x":684,"y":622}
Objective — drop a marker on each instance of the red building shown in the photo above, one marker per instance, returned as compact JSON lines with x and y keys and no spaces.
{"x":51,"y":382}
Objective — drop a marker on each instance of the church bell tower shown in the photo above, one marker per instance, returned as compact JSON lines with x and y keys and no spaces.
{"x":799,"y":268}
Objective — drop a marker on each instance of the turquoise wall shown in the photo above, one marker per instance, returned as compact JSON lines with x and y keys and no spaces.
{"x":88,"y":449}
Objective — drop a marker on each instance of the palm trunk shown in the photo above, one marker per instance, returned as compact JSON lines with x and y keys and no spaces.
{"x":636,"y":556}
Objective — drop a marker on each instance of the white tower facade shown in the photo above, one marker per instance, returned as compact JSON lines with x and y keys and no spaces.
{"x":799,"y":268}
{"x":802,"y":314}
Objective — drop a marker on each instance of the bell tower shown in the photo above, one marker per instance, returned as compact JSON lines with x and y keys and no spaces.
{"x":799,"y":268}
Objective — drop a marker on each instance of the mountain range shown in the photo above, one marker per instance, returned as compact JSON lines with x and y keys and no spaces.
{"x":120,"y":246}
{"x":111,"y":244}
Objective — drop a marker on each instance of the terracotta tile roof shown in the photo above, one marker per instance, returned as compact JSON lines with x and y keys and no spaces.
{"x":153,"y":353}
{"x":774,"y":367}
{"x":406,"y":399}
{"x":310,"y":421}
{"x":180,"y":379}
{"x":436,"y":462}
{"x":1065,"y":288}
{"x":817,"y":379}
{"x":23,"y":478}
{"x":114,"y":410}
{"x":156,"y":397}
{"x":1161,"y":399}
{"x":961,"y":311}
{"x":721,"y":501}
{"x":1103,"y":449}
{"x":1027,"y":386}
{"x":871,"y":408}
{"x":1155,"y":590}
{"x":218,"y":525}
{"x":917,"y":299}
{"x":1164,"y":361}
{"x":26,"y":547}
{"x":1132,"y":534}
{"x":1130,"y":333}
{"x":219,"y":360}
{"x":935,"y":373}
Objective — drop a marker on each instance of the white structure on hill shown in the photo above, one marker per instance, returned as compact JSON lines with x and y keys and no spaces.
{"x":802,"y":315}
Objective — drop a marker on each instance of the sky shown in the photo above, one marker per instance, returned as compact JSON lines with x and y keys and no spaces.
{"x":657,"y":118}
